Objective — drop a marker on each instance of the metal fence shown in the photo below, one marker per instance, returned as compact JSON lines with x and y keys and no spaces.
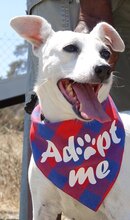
{"x":13,"y":79}
{"x":13,"y":69}
{"x":13,"y":55}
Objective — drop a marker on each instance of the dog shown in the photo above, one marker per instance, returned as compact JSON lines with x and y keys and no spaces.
{"x":74,"y":80}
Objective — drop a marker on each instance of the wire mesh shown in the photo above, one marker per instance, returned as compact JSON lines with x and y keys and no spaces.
{"x":13,"y":56}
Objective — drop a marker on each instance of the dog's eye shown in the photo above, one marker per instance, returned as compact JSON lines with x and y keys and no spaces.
{"x":105,"y":54}
{"x":71,"y":48}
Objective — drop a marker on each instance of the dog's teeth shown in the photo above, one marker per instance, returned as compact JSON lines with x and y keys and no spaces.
{"x":71,"y":93}
{"x":80,"y":108}
{"x":68,"y":88}
{"x":66,"y":84}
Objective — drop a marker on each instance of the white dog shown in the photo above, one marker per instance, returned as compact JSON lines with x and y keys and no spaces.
{"x":73,"y":82}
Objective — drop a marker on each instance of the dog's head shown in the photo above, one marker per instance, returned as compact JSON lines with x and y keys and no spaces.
{"x":75,"y":69}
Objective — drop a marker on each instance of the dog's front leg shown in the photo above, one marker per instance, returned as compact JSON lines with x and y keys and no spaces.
{"x":46,"y":199}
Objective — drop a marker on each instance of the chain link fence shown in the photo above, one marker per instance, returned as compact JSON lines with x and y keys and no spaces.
{"x":13,"y":56}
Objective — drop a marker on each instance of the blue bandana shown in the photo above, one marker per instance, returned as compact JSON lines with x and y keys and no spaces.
{"x":81,"y":158}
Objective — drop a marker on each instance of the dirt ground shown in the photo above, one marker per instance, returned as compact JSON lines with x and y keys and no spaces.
{"x":11,"y":138}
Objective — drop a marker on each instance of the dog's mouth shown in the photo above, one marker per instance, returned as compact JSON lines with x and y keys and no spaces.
{"x":84,"y":99}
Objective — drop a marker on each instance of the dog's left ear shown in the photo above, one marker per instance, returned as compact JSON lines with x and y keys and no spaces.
{"x":109,"y":35}
{"x":32,"y":28}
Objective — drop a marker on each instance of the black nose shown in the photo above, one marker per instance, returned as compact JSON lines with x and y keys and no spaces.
{"x":103,"y":72}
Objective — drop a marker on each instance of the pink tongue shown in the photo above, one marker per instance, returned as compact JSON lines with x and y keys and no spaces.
{"x":91,"y":107}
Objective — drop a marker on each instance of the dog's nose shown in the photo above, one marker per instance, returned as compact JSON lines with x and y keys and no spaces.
{"x":103,"y":72}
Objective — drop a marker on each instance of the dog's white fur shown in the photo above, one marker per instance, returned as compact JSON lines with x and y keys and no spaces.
{"x":54,"y":64}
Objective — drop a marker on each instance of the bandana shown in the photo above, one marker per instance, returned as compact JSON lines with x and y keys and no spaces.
{"x":81,"y":158}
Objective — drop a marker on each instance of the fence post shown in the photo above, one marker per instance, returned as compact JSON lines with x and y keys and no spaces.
{"x":25,"y":200}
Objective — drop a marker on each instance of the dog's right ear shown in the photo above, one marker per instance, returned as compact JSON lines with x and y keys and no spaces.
{"x":109,"y":35}
{"x":32,"y":28}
